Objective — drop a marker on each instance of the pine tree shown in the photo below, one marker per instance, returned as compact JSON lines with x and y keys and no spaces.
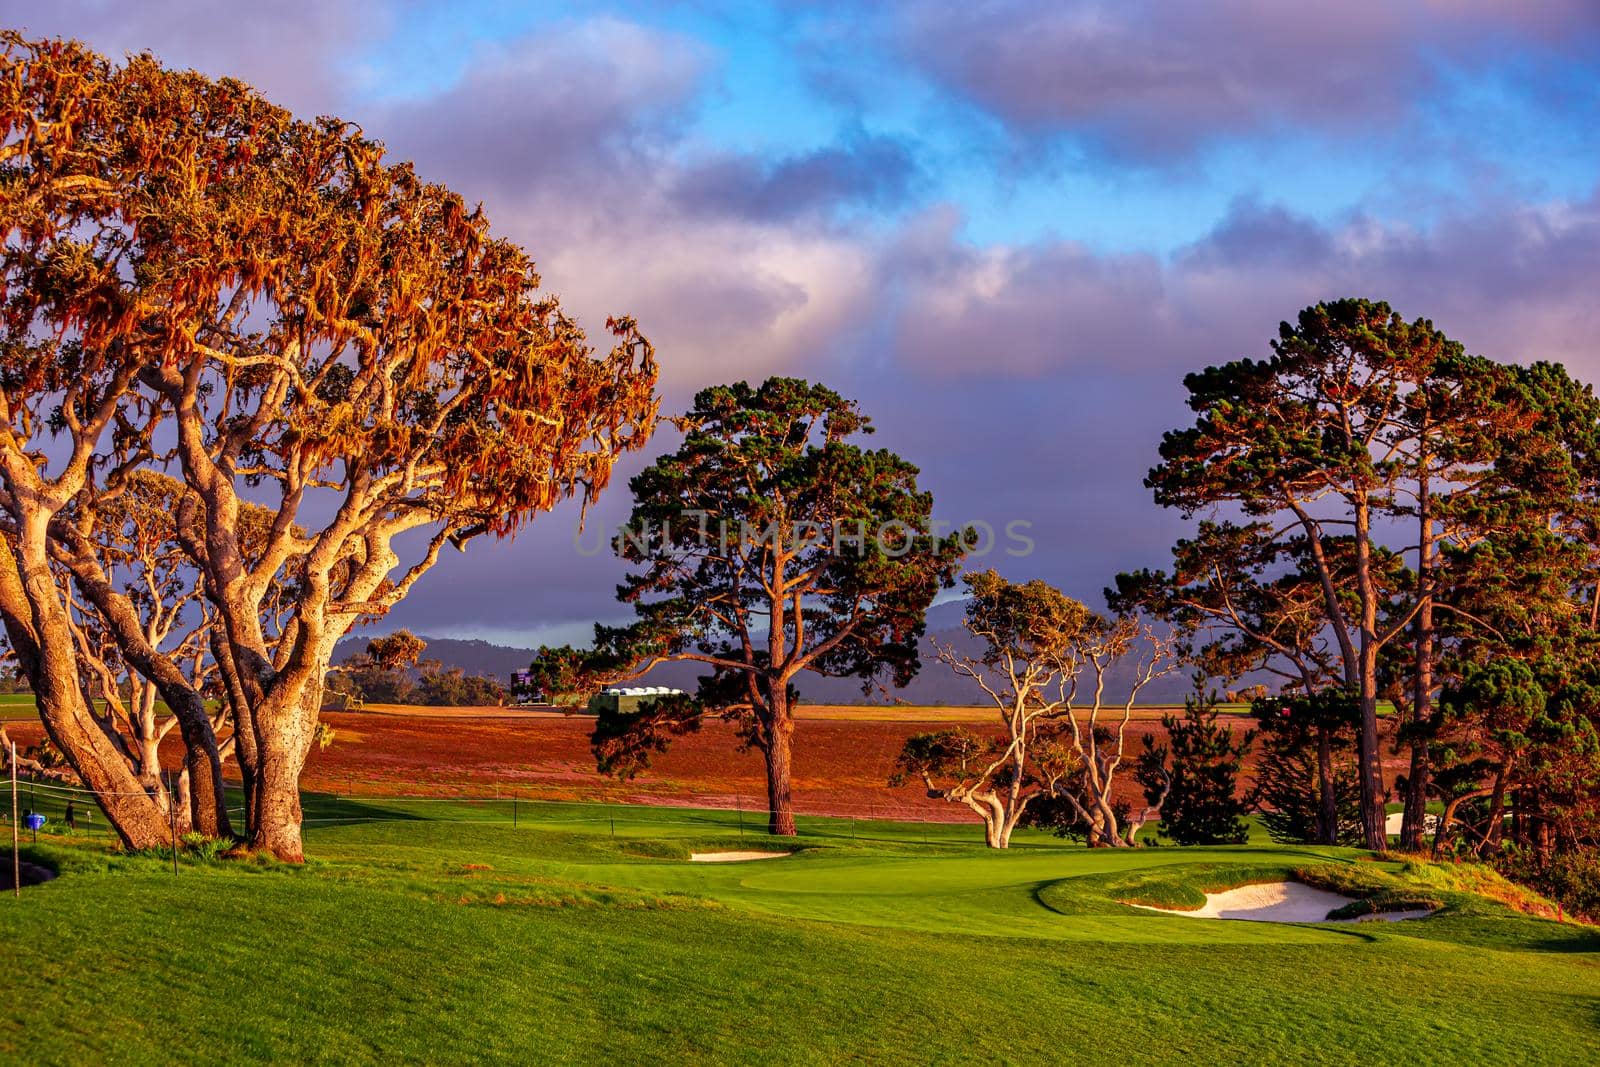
{"x":1286,"y":794}
{"x":1198,"y":768}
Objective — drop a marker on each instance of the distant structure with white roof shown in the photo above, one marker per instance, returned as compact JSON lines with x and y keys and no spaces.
{"x":629,"y":698}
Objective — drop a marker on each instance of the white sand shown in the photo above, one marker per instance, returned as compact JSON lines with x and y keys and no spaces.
{"x":1392,"y":823}
{"x":734,"y":857}
{"x":1281,"y":902}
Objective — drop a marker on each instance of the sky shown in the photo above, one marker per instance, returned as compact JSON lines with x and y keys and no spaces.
{"x":1008,"y":229}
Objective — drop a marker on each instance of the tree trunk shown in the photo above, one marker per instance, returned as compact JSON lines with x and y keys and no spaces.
{"x":1441,"y":832}
{"x":1368,"y":757}
{"x":1327,"y":797}
{"x":208,"y":811}
{"x":283,"y":743}
{"x":208,"y":800}
{"x":148,"y":749}
{"x":205,"y":805}
{"x":1494,"y":831}
{"x":1012,"y":816}
{"x":780,"y":738}
{"x":278,"y":813}
{"x":183,"y":797}
{"x":1414,"y":823}
{"x":244,"y":730}
{"x":36,"y":625}
{"x":1416,"y":810}
{"x":1543,"y":833}
{"x":1374,"y":835}
{"x":1108,"y":819}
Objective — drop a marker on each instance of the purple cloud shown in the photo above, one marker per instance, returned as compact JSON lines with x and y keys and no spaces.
{"x":1148,"y":80}
{"x":1512,"y":280}
{"x":1030,"y":380}
{"x":297,"y":48}
{"x":576,"y":138}
{"x":584,"y":108}
{"x":868,"y":172}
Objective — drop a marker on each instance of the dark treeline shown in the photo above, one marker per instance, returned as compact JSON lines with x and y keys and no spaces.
{"x":392,"y":671}
{"x":1387,"y":520}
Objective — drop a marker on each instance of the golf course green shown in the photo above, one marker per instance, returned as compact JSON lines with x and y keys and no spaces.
{"x":441,"y":932}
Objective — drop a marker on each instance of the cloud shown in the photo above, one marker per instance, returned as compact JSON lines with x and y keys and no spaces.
{"x":868,"y":172}
{"x":1033,"y":381}
{"x":582,"y":109}
{"x":576,"y":137}
{"x":1030,"y":380}
{"x":1514,"y":281}
{"x":1021,"y":310}
{"x":300,"y":50}
{"x":1150,"y":80}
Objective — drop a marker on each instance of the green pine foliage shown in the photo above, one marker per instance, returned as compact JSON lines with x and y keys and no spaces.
{"x":1286,"y":793}
{"x":1198,"y":768}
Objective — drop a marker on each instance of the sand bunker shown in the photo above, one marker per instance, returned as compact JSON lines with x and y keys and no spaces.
{"x":734,"y":857}
{"x":1281,"y":902}
{"x":1393,"y":823}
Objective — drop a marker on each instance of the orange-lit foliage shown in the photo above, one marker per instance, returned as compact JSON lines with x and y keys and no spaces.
{"x":193,"y":276}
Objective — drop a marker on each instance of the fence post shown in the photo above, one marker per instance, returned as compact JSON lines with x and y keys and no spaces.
{"x":172,"y":823}
{"x":16,"y":855}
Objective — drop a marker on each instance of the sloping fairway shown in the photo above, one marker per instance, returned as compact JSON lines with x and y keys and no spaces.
{"x":438,"y":932}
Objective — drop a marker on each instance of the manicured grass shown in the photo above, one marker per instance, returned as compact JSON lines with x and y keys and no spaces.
{"x":21,"y":707}
{"x":18,"y":707}
{"x":438,"y":932}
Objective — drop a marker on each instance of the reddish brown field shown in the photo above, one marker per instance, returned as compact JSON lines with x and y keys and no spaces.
{"x":842,"y":763}
{"x":840,"y":767}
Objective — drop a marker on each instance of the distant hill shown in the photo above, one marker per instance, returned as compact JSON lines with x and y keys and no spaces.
{"x":473,"y":657}
{"x":934,"y":683}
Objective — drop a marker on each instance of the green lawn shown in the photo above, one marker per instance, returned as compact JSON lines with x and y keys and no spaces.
{"x":18,"y":707}
{"x":441,"y":933}
{"x":21,"y":707}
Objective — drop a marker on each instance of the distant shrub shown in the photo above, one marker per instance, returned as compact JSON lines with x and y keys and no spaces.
{"x":1570,"y":878}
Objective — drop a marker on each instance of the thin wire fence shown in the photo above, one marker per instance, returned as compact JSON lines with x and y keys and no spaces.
{"x":738,"y":814}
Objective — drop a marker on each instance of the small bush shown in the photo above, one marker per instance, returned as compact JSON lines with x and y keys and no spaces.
{"x":205,"y":848}
{"x":1572,"y":879}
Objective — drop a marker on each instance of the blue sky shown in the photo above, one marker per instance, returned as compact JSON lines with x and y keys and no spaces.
{"x":1520,"y":125}
{"x":1008,"y":228}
